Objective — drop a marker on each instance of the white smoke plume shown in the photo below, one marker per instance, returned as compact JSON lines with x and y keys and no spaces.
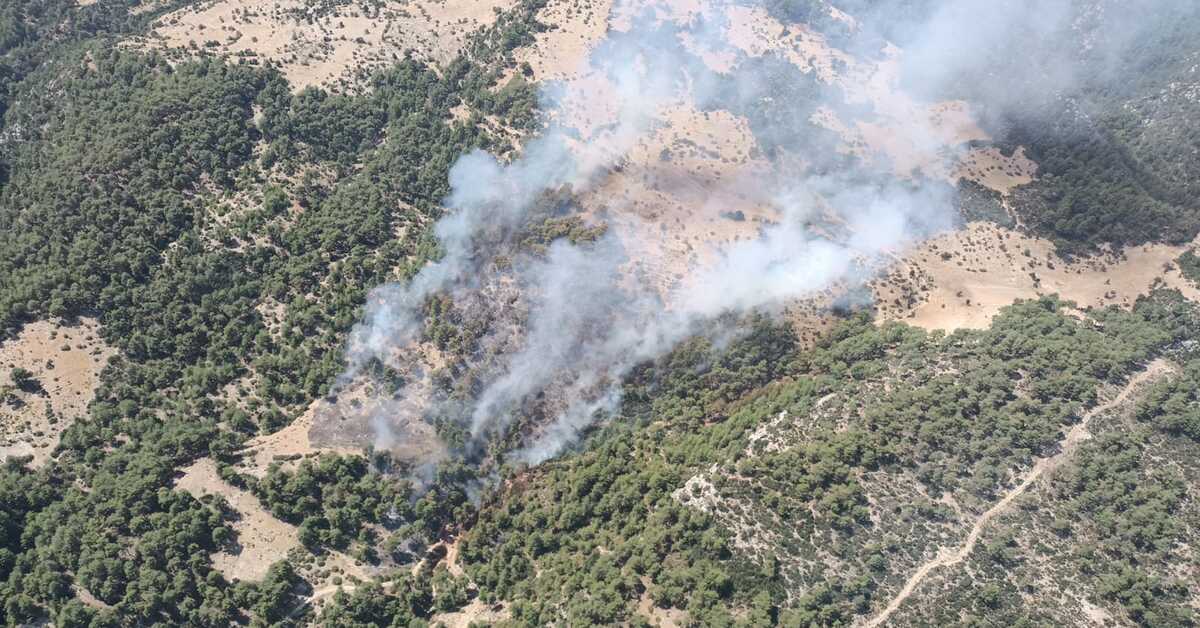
{"x":579,"y":320}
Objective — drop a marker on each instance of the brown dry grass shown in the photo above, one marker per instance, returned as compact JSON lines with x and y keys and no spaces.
{"x":962,"y":279}
{"x":352,"y":417}
{"x":262,"y":538}
{"x":668,"y":198}
{"x":67,"y":361}
{"x":670,"y":202}
{"x":990,"y":168}
{"x":906,"y":133}
{"x":562,"y":51}
{"x":328,"y":50}
{"x":292,"y":441}
{"x":672,"y":191}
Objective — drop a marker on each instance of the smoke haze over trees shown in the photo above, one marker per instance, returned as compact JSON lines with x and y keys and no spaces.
{"x":584,"y":319}
{"x":576,"y":409}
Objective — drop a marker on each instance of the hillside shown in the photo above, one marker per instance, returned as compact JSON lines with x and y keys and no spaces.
{"x":599,"y":312}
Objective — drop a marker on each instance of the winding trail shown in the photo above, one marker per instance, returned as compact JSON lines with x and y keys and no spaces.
{"x":1076,"y":435}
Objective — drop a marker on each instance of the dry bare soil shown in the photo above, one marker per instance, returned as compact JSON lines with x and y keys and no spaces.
{"x":262,"y":539}
{"x":66,"y":360}
{"x":963,"y":278}
{"x":333,"y":48}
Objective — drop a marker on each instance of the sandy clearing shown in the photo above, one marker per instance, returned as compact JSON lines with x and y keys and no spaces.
{"x":908,"y":134}
{"x":627,"y":13}
{"x":680,"y":195}
{"x":853,"y":142}
{"x":674,"y":186}
{"x":990,"y":168}
{"x":365,"y":411}
{"x":291,"y":441}
{"x":325,"y":49}
{"x":67,"y":361}
{"x":262,"y":538}
{"x":147,"y":6}
{"x":683,"y":193}
{"x":962,"y":279}
{"x":355,"y":419}
{"x":1077,"y":434}
{"x":753,"y":32}
{"x":86,"y":597}
{"x":352,"y":420}
{"x":673,"y":194}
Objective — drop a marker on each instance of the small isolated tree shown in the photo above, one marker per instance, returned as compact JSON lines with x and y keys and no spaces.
{"x":23,"y":379}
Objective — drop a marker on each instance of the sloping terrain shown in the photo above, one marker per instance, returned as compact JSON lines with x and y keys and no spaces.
{"x":61,"y":367}
{"x":261,"y":538}
{"x":834,"y":488}
{"x":590,"y":312}
{"x":1076,"y":550}
{"x":951,"y":557}
{"x":964,"y":278}
{"x":329,"y":44}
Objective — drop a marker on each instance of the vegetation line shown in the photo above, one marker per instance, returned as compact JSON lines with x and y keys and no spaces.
{"x":1076,"y":435}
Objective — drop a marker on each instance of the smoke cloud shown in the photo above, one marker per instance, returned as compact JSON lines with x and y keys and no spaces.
{"x":553,"y":329}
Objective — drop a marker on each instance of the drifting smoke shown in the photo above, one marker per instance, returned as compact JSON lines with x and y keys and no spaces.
{"x":1019,"y":58}
{"x":567,"y":323}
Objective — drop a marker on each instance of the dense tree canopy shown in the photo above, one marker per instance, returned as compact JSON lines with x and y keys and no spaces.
{"x":225,"y":230}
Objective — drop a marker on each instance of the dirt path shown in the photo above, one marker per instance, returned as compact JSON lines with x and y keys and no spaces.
{"x":1077,"y":434}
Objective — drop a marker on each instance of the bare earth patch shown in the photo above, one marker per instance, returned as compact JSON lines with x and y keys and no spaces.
{"x":962,"y":279}
{"x":903,"y":132}
{"x":686,"y":191}
{"x":990,"y":168}
{"x":291,"y":442}
{"x":66,"y":361}
{"x":563,"y":49}
{"x":683,"y":193}
{"x":262,"y":538}
{"x":361,"y":415}
{"x":662,"y":617}
{"x":333,"y":48}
